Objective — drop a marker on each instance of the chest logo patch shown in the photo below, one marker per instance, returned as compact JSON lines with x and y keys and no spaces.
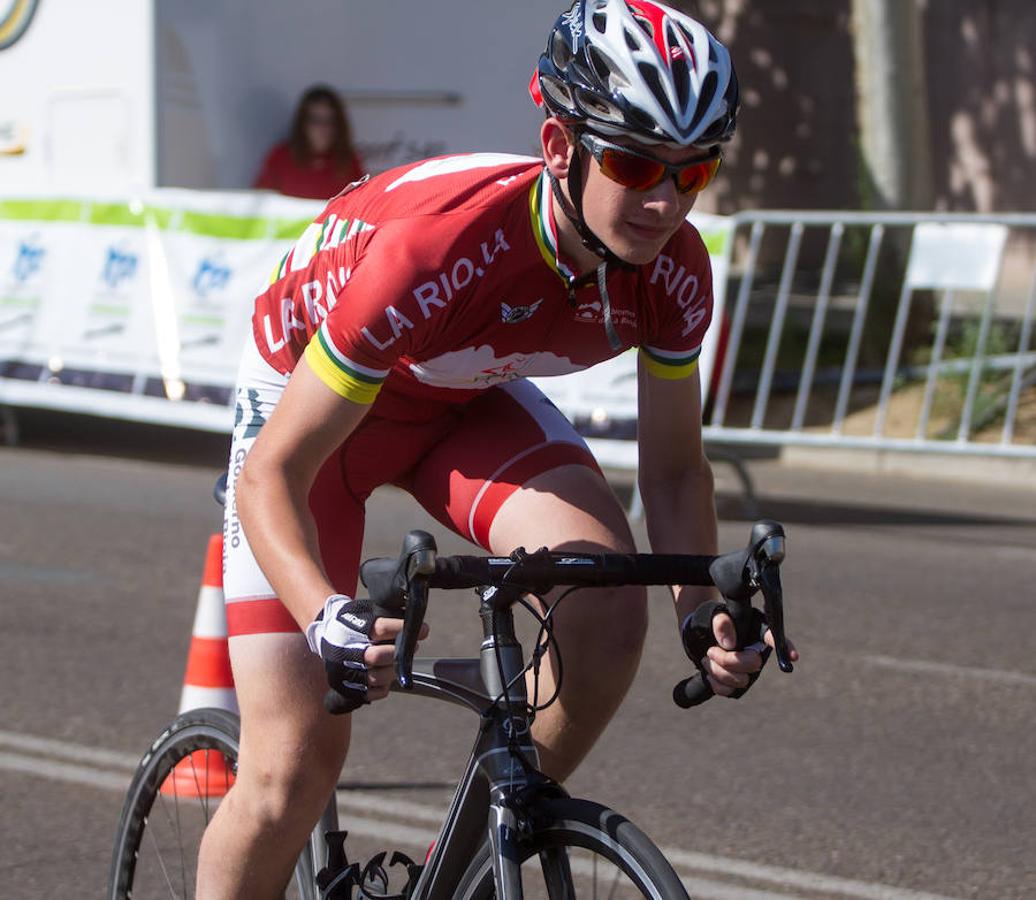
{"x":512,"y":315}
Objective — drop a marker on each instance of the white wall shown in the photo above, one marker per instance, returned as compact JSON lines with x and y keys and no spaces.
{"x":230,"y":72}
{"x":76,"y":92}
{"x":125,"y":94}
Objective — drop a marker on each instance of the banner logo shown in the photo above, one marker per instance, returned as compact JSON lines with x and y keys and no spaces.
{"x":28,"y":260}
{"x":119,"y":266}
{"x":211,"y":275}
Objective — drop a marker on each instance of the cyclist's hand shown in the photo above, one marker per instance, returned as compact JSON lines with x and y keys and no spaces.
{"x":343,"y":635}
{"x":728,"y":669}
{"x":380,"y":656}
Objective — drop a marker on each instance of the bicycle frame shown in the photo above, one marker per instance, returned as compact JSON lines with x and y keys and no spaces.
{"x":497,"y":790}
{"x":502,"y":790}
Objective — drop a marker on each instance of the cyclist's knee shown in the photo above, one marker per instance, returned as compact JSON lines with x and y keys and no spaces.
{"x":612,"y":627}
{"x":624,"y":621}
{"x":283,"y":787}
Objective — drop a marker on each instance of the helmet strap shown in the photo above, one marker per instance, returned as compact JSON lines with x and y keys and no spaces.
{"x":574,"y":211}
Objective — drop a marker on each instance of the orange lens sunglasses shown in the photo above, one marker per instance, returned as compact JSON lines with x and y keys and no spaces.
{"x":641,"y":172}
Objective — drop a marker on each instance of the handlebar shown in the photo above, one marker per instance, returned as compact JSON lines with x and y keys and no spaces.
{"x":399,"y":587}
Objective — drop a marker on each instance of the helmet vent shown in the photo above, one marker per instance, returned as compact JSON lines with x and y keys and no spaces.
{"x":557,"y":92}
{"x":560,"y":53}
{"x":682,"y":80}
{"x":649,"y":29}
{"x":641,"y":119}
{"x":631,"y":39}
{"x":650,"y":75}
{"x":705,"y":95}
{"x":598,"y":108}
{"x":671,"y":40}
{"x":600,"y":22}
{"x":602,"y":66}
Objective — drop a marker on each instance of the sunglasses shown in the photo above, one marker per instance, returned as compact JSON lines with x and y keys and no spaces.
{"x":641,"y":172}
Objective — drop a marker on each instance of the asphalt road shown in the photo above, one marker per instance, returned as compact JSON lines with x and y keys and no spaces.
{"x":896,"y":762}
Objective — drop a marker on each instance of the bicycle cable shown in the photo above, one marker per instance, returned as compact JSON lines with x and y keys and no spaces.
{"x":541,"y":648}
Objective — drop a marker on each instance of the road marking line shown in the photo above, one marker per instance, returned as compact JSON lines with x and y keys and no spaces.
{"x":42,"y":574}
{"x":999,"y":676}
{"x":367,"y":801}
{"x":350,"y":801}
{"x":76,"y":753}
{"x":700,"y":889}
{"x":795,"y":878}
{"x":58,"y":771}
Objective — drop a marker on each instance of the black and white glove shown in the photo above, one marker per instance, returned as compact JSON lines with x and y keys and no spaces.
{"x":698,"y":636}
{"x":340,"y":635}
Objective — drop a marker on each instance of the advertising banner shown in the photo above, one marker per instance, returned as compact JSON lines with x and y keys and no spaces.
{"x":139,"y":307}
{"x":135,"y":308}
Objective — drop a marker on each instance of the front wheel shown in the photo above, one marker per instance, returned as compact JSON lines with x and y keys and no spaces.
{"x":171,"y":800}
{"x":581,"y":849}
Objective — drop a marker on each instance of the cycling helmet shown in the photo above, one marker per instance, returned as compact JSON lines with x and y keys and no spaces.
{"x":639,"y":69}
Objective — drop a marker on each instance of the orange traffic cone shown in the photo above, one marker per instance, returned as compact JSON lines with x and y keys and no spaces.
{"x":208,"y":681}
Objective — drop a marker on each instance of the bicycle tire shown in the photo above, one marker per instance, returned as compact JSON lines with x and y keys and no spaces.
{"x":568,"y":825}
{"x":205,"y":731}
{"x":211,"y":732}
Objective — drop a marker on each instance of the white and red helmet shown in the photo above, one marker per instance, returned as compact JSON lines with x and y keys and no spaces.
{"x":638,"y":68}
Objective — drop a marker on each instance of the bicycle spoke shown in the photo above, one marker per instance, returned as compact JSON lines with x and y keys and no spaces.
{"x":574,"y":873}
{"x":161,"y":862}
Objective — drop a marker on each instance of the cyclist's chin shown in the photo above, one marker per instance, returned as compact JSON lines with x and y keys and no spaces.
{"x":639,"y":243}
{"x":638,"y":250}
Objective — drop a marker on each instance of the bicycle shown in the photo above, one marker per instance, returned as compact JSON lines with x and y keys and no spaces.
{"x":510,"y":832}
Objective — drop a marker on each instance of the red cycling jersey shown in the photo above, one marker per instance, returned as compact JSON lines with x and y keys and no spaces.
{"x":440,"y":279}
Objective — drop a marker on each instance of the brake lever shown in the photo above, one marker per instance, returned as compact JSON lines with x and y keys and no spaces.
{"x":773,"y":607}
{"x":418,"y":562}
{"x":768,"y":555}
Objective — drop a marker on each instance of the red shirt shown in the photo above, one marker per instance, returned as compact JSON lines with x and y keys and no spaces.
{"x":443,"y":278}
{"x":318,"y":180}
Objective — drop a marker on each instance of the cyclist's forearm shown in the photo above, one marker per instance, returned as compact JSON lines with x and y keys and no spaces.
{"x":680,"y":513}
{"x":280,"y":530}
{"x":308,"y":425}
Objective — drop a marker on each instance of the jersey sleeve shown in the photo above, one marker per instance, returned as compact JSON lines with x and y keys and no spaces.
{"x":680,"y":291}
{"x":386,"y":310}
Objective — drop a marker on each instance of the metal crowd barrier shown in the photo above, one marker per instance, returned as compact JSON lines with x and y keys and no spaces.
{"x":822,"y":342}
{"x":895,"y":331}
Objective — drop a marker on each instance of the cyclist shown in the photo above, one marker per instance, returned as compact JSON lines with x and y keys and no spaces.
{"x":390,"y":347}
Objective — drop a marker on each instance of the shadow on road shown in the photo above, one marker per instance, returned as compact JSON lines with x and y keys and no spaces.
{"x":730,"y":507}
{"x":68,"y":433}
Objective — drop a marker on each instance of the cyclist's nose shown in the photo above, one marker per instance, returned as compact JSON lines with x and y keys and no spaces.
{"x":664,"y":196}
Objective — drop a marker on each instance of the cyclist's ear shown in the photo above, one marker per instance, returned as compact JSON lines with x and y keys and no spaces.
{"x":558,"y":144}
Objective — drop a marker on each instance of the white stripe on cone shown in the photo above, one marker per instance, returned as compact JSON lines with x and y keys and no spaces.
{"x":210,"y":619}
{"x":194,"y":697}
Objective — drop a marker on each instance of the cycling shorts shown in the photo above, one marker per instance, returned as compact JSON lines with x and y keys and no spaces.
{"x":460,"y":461}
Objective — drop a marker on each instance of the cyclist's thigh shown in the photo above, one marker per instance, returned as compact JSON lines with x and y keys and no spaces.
{"x":514,"y":472}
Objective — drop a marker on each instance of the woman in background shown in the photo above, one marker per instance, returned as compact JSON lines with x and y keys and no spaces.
{"x":318,"y":159}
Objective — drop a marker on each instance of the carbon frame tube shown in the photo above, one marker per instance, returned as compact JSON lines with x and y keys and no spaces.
{"x":482,"y":806}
